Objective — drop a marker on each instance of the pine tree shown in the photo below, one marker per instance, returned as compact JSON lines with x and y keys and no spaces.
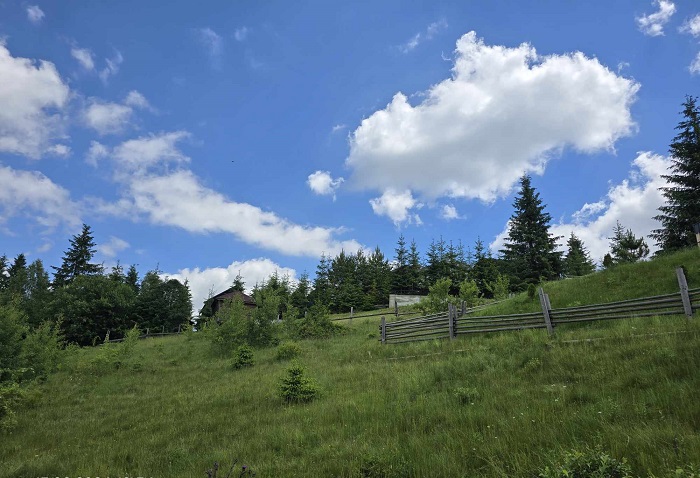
{"x":132,"y":278}
{"x":76,"y":260}
{"x":578,"y":261}
{"x":38,"y":293}
{"x":682,"y":208}
{"x":415,"y":270}
{"x":238,"y":283}
{"x":321,"y":293}
{"x":300,"y":297}
{"x":17,"y":281}
{"x":530,"y":249}
{"x":625,"y":247}
{"x":401,"y":281}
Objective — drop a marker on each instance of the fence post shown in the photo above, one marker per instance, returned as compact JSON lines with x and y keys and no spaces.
{"x":178,"y":328}
{"x":396,"y":308}
{"x":452,"y":317}
{"x":352,"y":309}
{"x":544,"y":302}
{"x":146,"y":332}
{"x":162,"y":329}
{"x":464,"y":308}
{"x":683,"y":284}
{"x":383,"y":328}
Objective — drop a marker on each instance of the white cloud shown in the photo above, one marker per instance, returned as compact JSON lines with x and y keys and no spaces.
{"x":35,"y":14}
{"x":338,"y":127}
{"x":653,"y":24}
{"x":213,"y":43}
{"x":137,"y":100}
{"x":695,"y":65}
{"x":691,"y":26}
{"x":633,"y":202}
{"x":60,"y":150}
{"x":451,"y":143}
{"x":218,"y":279}
{"x":396,"y":206}
{"x":240,"y":34}
{"x":322,"y":183}
{"x":111,"y":67}
{"x":107,"y":118}
{"x":179,"y":199}
{"x":33,"y":195}
{"x":84,"y":56}
{"x":113,"y":247}
{"x":32,"y":100}
{"x":449,"y":212}
{"x":420,"y":37}
{"x":96,"y":152}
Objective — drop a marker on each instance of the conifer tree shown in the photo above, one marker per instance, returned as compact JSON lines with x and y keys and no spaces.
{"x":238,"y":283}
{"x":132,"y":278}
{"x":415,"y":273}
{"x":578,"y":261}
{"x":682,"y":208}
{"x":401,"y":281}
{"x":76,"y":260}
{"x":530,"y":250}
{"x":4,"y":273}
{"x":300,"y":297}
{"x":321,"y":293}
{"x":625,"y":247}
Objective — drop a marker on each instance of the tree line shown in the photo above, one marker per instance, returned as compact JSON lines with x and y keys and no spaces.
{"x":85,"y":301}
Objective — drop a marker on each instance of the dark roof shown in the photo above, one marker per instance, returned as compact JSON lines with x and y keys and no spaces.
{"x":234,"y":294}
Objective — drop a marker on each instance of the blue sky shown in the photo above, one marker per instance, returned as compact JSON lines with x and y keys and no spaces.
{"x":211,"y":138}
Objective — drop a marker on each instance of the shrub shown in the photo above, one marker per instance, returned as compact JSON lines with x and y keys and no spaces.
{"x":590,"y":463}
{"x":42,"y":349}
{"x":11,"y":396}
{"x":243,"y":357}
{"x":469,"y":292}
{"x":438,"y":297}
{"x":113,"y":355}
{"x":287,"y":351}
{"x":296,"y":387}
{"x":466,"y":395}
{"x":531,"y":291}
{"x":316,"y":324}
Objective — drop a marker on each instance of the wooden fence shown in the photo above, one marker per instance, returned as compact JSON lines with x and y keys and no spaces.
{"x":452,"y":323}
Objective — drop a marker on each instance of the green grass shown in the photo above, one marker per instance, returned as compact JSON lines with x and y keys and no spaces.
{"x":174,"y":407}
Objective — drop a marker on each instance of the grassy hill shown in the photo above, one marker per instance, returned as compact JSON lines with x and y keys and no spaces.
{"x":496,"y":405}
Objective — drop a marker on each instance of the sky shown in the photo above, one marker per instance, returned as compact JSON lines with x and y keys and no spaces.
{"x":212,"y":138}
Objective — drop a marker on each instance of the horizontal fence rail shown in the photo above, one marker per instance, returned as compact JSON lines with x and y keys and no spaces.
{"x":452,"y":323}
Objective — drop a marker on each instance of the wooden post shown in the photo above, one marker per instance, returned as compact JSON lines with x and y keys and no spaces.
{"x":178,"y":328}
{"x":451,"y":317}
{"x":162,"y":329}
{"x":544,"y":302}
{"x":683,"y":284}
{"x":352,"y":309}
{"x":146,"y":332}
{"x":396,"y":308}
{"x":464,"y":308}
{"x":383,"y":328}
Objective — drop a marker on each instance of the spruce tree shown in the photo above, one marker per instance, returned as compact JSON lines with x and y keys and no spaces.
{"x":682,"y":208}
{"x":401,"y":281}
{"x":132,"y":278}
{"x":625,"y":247}
{"x":415,"y":270}
{"x":238,"y":283}
{"x":530,"y":250}
{"x":76,"y":260}
{"x":578,"y":261}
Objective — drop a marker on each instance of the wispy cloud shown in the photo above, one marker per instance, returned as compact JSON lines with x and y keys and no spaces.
{"x":432,"y":29}
{"x":213,"y":43}
{"x":35,"y":14}
{"x":653,"y":24}
{"x":84,"y":56}
{"x":241,"y":33}
{"x":111,"y":66}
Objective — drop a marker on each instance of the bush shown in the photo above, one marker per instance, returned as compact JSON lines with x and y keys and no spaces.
{"x":531,"y":291}
{"x":235,"y":325}
{"x":11,"y":397}
{"x":243,"y":357}
{"x":296,"y":387}
{"x":590,"y":463}
{"x":438,"y":297}
{"x":469,"y":292}
{"x":316,"y":324}
{"x":42,"y":349}
{"x":466,"y":395}
{"x":287,"y":351}
{"x":12,"y":329}
{"x":113,"y":355}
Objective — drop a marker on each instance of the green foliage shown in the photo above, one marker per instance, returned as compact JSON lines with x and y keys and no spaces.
{"x":162,"y":303}
{"x":113,"y":355}
{"x":384,"y":465}
{"x":589,"y":463}
{"x":531,"y":291}
{"x":625,"y":247}
{"x":11,"y":398}
{"x":287,"y":351}
{"x":316,"y":324}
{"x":500,"y":287}
{"x":76,"y":260}
{"x":578,"y":261}
{"x":243,"y":357}
{"x":608,"y":261}
{"x":229,"y":329}
{"x":13,"y":327}
{"x":467,"y":395}
{"x":530,"y":249}
{"x":42,"y":349}
{"x":469,"y":292}
{"x":438,"y":297}
{"x":682,"y":192}
{"x":296,"y":387}
{"x":91,"y":306}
